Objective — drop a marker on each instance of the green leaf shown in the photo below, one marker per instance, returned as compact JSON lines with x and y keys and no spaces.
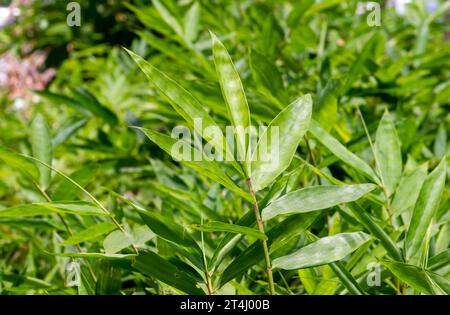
{"x":440,"y":260}
{"x":234,"y":95}
{"x":92,"y":104}
{"x":89,"y":233}
{"x":324,"y":251}
{"x":267,"y":77}
{"x":109,"y":281}
{"x":116,"y":241}
{"x":215,"y":226}
{"x":68,"y":130}
{"x":96,"y":255}
{"x":388,"y":153}
{"x":278,"y":236}
{"x":34,"y":209}
{"x":209,"y":168}
{"x":66,"y":190}
{"x":185,"y":104}
{"x":418,"y":278}
{"x":341,"y":151}
{"x":278,"y":144}
{"x":19,"y":163}
{"x":191,"y":23}
{"x":168,"y":17}
{"x":167,"y":229}
{"x":41,"y":142}
{"x":315,"y":198}
{"x":83,"y":102}
{"x":425,"y":209}
{"x":408,"y":190}
{"x":153,"y":265}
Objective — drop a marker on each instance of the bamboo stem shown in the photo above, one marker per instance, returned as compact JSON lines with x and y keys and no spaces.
{"x":264,"y":242}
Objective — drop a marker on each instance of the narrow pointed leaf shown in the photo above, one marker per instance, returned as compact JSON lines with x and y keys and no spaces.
{"x":234,"y":95}
{"x":41,"y":142}
{"x":315,"y":198}
{"x":341,"y":151}
{"x":215,"y":226}
{"x":209,"y":168}
{"x":278,"y":144}
{"x":154,"y":265}
{"x":425,"y":209}
{"x":167,"y":229}
{"x":408,"y":190}
{"x":417,"y":278}
{"x":90,"y":233}
{"x":20,"y":164}
{"x":324,"y":251}
{"x":388,"y":153}
{"x":185,"y":104}
{"x":35,"y":209}
{"x":116,"y":241}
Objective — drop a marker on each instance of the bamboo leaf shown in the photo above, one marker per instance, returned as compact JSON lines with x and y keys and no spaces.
{"x":116,"y":241}
{"x":215,"y":226}
{"x":408,"y":190}
{"x":388,"y":153}
{"x":418,"y":278}
{"x":341,"y":151}
{"x":203,"y":165}
{"x":154,"y":265}
{"x":186,"y":105}
{"x":41,"y":142}
{"x":315,"y":198}
{"x":234,"y":95}
{"x":35,"y":209}
{"x":278,"y":236}
{"x":167,"y":229}
{"x":89,"y":233}
{"x":66,"y":190}
{"x":278,"y":144}
{"x":323,"y":251}
{"x":19,"y":163}
{"x":425,"y":209}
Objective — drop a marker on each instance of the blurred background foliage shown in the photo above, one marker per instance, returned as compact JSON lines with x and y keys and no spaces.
{"x":282,"y":49}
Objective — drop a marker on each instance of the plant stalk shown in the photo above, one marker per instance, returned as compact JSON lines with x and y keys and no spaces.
{"x":264,"y":242}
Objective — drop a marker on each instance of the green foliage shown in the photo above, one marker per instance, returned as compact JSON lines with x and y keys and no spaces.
{"x":92,"y":171}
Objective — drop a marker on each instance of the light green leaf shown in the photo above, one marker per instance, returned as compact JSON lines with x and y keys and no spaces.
{"x":34,"y":209}
{"x":268,"y":78}
{"x":440,"y":143}
{"x":424,"y":211}
{"x":418,"y":278}
{"x":168,"y":17}
{"x":341,"y":151}
{"x":324,"y":251}
{"x":116,"y":241}
{"x":278,"y":236}
{"x":66,"y":190}
{"x":19,"y":163}
{"x":90,"y":233}
{"x":234,"y":95}
{"x":41,"y":142}
{"x":191,"y":23}
{"x":209,"y":168}
{"x":96,"y":255}
{"x":215,"y":226}
{"x":388,"y":153}
{"x":315,"y":198}
{"x":278,"y":144}
{"x":408,"y":190}
{"x":186,"y":105}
